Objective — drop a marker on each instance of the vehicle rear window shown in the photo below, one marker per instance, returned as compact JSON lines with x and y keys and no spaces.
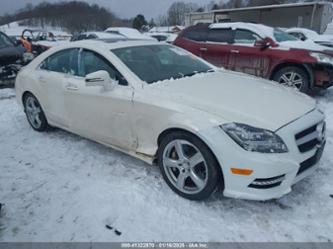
{"x":221,"y":35}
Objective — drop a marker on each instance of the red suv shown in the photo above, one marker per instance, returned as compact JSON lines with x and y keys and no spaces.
{"x":262,"y":51}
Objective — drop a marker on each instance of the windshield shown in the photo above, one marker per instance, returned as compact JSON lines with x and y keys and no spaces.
{"x":5,"y":41}
{"x":281,"y":36}
{"x":154,"y":63}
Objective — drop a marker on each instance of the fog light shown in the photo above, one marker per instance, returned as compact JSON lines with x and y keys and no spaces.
{"x":264,"y":183}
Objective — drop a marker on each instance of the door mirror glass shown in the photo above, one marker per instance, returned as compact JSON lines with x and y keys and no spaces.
{"x":101,"y":78}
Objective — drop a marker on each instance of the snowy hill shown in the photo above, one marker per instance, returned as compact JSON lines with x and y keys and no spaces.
{"x":15,"y":29}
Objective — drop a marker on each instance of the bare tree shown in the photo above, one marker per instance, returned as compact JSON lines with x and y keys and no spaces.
{"x":178,"y":10}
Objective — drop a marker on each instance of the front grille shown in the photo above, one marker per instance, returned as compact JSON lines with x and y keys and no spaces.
{"x":266,"y":183}
{"x":311,"y":137}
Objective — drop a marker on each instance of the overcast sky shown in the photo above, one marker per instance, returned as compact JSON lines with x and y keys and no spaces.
{"x":123,"y":8}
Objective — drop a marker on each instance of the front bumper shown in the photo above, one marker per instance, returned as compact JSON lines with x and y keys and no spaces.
{"x":322,"y":75}
{"x":273,"y":174}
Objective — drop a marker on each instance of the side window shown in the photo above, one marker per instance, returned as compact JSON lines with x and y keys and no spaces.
{"x":91,"y":62}
{"x":298,"y":36}
{"x":65,"y":61}
{"x":221,"y":35}
{"x":197,"y":34}
{"x":246,"y":36}
{"x":92,"y":36}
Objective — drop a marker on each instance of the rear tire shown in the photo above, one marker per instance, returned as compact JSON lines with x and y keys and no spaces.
{"x":294,"y":77}
{"x":188,"y":166}
{"x":34,"y":113}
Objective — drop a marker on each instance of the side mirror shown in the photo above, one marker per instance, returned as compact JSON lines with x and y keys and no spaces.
{"x":101,"y":78}
{"x":264,"y":43}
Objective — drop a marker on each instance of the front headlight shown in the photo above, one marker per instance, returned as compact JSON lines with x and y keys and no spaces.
{"x":322,"y":58}
{"x":255,"y":139}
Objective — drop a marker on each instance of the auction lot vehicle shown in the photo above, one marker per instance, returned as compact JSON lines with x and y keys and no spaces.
{"x":205,"y":127}
{"x":307,"y":34}
{"x":129,"y":33}
{"x":37,"y":41}
{"x":97,"y":35}
{"x":11,"y":58}
{"x":262,"y":51}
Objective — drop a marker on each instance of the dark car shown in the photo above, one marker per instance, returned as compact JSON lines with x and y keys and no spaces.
{"x":262,"y":51}
{"x":11,"y":58}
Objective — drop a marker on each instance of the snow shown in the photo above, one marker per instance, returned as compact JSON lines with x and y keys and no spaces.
{"x":166,"y":29}
{"x":129,"y":33}
{"x":105,"y":35}
{"x":310,"y":34}
{"x":60,"y":187}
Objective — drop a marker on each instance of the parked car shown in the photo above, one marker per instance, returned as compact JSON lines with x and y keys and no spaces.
{"x":37,"y":41}
{"x":307,"y":34}
{"x":129,"y":33}
{"x":262,"y":51}
{"x":11,"y":58}
{"x":97,"y":35}
{"x":163,"y":37}
{"x":205,"y":127}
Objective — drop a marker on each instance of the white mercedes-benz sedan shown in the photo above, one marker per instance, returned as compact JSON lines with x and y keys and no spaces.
{"x":204,"y":127}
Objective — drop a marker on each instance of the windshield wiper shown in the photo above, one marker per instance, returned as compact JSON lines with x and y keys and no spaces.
{"x":211,"y":70}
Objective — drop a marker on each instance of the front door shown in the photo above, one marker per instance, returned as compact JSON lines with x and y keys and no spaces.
{"x":246,"y":57}
{"x":97,"y":113}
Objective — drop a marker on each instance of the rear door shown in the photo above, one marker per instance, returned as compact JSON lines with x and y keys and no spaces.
{"x":194,"y":40}
{"x":219,"y":47}
{"x":246,"y":57}
{"x":51,"y":76}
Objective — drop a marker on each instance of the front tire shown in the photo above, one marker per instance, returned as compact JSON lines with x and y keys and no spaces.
{"x":188,"y":166}
{"x":294,"y":77}
{"x":34,"y":113}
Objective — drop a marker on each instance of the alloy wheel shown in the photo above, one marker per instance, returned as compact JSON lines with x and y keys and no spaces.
{"x":33,"y":111}
{"x":291,"y":79}
{"x":185,"y":166}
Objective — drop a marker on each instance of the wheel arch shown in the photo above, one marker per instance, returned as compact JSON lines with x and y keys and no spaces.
{"x":176,"y":129}
{"x":304,"y":67}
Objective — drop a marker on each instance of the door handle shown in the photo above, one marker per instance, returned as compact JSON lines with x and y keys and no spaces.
{"x":72,"y":87}
{"x":203,"y":49}
{"x":234,"y":51}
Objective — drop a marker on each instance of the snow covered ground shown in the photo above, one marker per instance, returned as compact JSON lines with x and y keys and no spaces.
{"x":60,"y":187}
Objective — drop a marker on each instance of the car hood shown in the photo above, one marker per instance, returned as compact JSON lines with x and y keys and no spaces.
{"x":236,"y":97}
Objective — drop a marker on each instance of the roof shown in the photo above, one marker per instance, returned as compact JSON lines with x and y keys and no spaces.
{"x":128,"y":32}
{"x":274,"y":6}
{"x":111,"y":45}
{"x":105,"y":35}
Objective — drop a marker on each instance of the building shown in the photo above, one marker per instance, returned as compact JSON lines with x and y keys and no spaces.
{"x":311,"y":15}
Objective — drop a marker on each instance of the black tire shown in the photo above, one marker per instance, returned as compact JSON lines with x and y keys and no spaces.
{"x":214,"y":174}
{"x":43,"y":126}
{"x":305,"y":87}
